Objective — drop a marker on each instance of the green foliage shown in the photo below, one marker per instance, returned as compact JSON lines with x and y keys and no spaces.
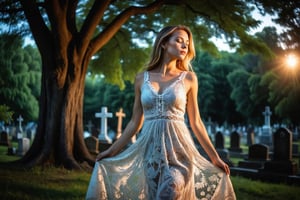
{"x":214,"y":88}
{"x":286,"y":13}
{"x":20,"y":76}
{"x":124,"y":55}
{"x":238,"y":80}
{"x":5,"y":113}
{"x":120,"y":59}
{"x":284,"y":94}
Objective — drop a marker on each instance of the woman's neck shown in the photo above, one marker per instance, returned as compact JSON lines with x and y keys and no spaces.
{"x":167,"y":68}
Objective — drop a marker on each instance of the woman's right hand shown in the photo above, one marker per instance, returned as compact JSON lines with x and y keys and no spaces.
{"x":103,"y":154}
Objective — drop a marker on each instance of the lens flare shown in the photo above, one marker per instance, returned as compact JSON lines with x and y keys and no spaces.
{"x":291,"y":61}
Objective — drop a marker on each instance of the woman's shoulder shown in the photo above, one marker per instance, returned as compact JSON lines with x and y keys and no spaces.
{"x":140,"y":75}
{"x":191,"y":76}
{"x":139,"y":78}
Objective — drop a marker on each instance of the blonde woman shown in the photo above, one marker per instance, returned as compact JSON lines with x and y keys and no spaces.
{"x":163,"y":163}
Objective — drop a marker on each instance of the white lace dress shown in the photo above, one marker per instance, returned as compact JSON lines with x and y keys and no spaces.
{"x":163,"y":163}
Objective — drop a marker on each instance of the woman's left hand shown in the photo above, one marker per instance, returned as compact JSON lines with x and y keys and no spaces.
{"x":221,"y":164}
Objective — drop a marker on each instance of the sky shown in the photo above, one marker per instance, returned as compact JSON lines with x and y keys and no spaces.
{"x":265,"y":21}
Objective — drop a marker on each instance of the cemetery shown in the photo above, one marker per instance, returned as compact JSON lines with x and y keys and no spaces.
{"x":66,"y":88}
{"x":265,"y":153}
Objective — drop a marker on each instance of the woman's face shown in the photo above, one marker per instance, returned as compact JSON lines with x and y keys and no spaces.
{"x":177,"y":45}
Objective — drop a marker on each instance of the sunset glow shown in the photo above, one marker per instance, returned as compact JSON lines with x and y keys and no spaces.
{"x":291,"y":61}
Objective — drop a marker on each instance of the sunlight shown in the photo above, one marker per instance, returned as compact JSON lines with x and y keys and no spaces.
{"x":291,"y":61}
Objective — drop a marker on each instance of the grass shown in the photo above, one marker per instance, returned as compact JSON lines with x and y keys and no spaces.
{"x":60,"y":184}
{"x":38,"y":183}
{"x":57,"y":183}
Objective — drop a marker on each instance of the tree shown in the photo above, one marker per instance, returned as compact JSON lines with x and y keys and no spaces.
{"x":238,"y":80}
{"x":69,"y":33}
{"x":287,"y":14}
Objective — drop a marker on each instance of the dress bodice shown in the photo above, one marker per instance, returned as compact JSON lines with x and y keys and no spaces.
{"x":169,"y":104}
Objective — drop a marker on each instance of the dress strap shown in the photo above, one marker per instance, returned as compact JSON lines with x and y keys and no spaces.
{"x":182,"y":75}
{"x":146,"y":76}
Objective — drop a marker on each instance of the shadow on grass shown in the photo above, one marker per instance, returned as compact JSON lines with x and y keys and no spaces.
{"x":38,"y":183}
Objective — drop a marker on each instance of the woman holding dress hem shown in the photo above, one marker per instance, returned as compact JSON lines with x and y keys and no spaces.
{"x":163,"y":163}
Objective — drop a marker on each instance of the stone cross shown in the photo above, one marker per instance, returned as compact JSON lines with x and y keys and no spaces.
{"x":266,"y":134}
{"x":103,"y":137}
{"x":20,"y":119}
{"x":267,"y":115}
{"x":90,"y":126}
{"x":120,"y":116}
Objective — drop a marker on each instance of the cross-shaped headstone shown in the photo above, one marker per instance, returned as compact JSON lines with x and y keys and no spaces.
{"x":267,"y":113}
{"x":266,"y":134}
{"x":120,"y":116}
{"x":209,"y":123}
{"x":90,"y":126}
{"x":103,"y":137}
{"x":20,"y":119}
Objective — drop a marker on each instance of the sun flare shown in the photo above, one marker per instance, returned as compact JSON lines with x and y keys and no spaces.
{"x":291,"y":61}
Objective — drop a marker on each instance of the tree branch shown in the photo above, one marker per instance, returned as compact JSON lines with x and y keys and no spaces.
{"x":36,"y":23}
{"x":100,"y":40}
{"x":71,"y":16}
{"x":92,"y":21}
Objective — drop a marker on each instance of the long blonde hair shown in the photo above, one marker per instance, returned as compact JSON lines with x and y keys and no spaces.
{"x":158,"y":51}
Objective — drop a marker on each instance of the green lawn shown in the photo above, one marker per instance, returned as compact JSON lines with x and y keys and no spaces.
{"x":57,"y":183}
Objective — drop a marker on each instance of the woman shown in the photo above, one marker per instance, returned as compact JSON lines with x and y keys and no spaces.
{"x":164,"y":162}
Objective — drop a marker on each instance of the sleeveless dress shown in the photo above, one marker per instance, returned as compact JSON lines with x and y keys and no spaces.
{"x":163,"y":163}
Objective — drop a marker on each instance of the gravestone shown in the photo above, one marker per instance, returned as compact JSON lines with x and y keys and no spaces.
{"x":30,"y":130}
{"x":266,"y":133}
{"x":295,"y":150}
{"x":23,"y":146}
{"x":90,"y":126}
{"x":20,"y":119}
{"x":282,"y":154}
{"x":209,"y":127}
{"x":4,"y":141}
{"x":235,"y":141}
{"x":250,"y":136}
{"x":219,"y":140}
{"x":223,"y":153}
{"x":120,"y":115}
{"x":92,"y":144}
{"x":30,"y":134}
{"x":12,"y":132}
{"x":11,"y":150}
{"x":258,"y":154}
{"x":103,"y":137}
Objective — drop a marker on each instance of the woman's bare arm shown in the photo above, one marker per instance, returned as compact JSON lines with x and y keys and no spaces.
{"x":196,"y":122}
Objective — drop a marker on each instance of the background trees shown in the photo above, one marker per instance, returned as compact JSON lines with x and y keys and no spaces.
{"x":20,"y":76}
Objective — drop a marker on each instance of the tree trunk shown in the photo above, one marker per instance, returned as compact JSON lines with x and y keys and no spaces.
{"x":59,"y":138}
